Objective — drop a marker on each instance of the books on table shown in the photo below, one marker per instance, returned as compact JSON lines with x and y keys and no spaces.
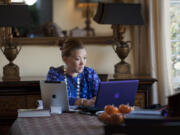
{"x":33,"y":113}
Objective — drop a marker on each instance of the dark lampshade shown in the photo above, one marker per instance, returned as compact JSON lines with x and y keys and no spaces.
{"x":119,"y":13}
{"x":14,"y":15}
{"x":87,"y":1}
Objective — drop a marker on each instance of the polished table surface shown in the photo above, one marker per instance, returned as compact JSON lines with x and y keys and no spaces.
{"x":83,"y":124}
{"x":64,"y":124}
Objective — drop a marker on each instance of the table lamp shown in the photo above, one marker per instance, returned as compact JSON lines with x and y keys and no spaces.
{"x":88,"y":7}
{"x":120,"y":14}
{"x":12,"y":15}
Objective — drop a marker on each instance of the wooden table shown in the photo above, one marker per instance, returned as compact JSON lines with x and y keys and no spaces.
{"x":145,"y":125}
{"x":83,"y":124}
{"x":64,"y":124}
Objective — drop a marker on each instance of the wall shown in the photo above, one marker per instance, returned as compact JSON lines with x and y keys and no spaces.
{"x":68,"y":16}
{"x":35,"y":60}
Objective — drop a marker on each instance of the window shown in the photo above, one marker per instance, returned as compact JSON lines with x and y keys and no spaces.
{"x":28,"y":2}
{"x":175,"y":40}
{"x":41,"y":14}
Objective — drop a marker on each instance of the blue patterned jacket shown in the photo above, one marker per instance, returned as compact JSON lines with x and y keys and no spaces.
{"x":89,"y":82}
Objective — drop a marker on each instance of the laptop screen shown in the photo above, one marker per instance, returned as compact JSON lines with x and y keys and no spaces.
{"x":116,"y":93}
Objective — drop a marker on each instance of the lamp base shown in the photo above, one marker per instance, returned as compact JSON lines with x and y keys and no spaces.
{"x":89,"y":31}
{"x":11,"y":72}
{"x":122,"y":70}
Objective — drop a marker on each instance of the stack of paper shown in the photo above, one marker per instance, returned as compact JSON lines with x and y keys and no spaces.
{"x":146,"y":112}
{"x":33,"y":113}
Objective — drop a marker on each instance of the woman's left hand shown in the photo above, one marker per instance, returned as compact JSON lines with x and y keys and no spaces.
{"x":89,"y":102}
{"x":79,"y":101}
{"x":85,"y":102}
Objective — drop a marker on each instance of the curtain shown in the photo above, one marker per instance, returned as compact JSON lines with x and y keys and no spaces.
{"x":151,"y":47}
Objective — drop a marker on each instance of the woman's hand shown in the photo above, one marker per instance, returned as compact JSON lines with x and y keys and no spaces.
{"x":90,"y":102}
{"x":79,"y":101}
{"x":85,"y":102}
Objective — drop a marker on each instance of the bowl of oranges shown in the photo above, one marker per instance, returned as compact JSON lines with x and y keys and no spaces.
{"x":115,"y":115}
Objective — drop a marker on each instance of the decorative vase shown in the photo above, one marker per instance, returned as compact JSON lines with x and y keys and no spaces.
{"x":122,"y":69}
{"x":11,"y":70}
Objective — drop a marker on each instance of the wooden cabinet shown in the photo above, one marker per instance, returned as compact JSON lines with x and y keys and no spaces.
{"x":15,"y":95}
{"x":24,"y":94}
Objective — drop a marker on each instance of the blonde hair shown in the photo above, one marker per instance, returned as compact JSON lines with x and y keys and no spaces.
{"x":70,"y":45}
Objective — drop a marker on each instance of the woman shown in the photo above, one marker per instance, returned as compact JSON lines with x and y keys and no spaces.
{"x":82,"y":82}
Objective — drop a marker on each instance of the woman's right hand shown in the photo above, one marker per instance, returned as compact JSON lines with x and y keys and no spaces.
{"x":85,"y":102}
{"x":80,"y":102}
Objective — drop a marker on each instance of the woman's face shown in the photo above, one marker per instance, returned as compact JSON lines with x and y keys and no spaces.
{"x":76,"y":62}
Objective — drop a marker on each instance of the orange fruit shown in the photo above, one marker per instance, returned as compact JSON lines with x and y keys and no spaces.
{"x":125,"y":108}
{"x":117,"y":119}
{"x":105,"y":117}
{"x":110,"y":109}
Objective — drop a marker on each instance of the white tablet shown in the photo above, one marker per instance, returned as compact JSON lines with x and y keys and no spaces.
{"x":54,"y":93}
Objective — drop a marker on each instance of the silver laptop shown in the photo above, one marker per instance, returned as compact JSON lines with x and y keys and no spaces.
{"x":54,"y":93}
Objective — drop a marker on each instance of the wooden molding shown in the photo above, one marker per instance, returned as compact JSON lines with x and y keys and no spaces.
{"x":37,"y":41}
{"x":53,"y":41}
